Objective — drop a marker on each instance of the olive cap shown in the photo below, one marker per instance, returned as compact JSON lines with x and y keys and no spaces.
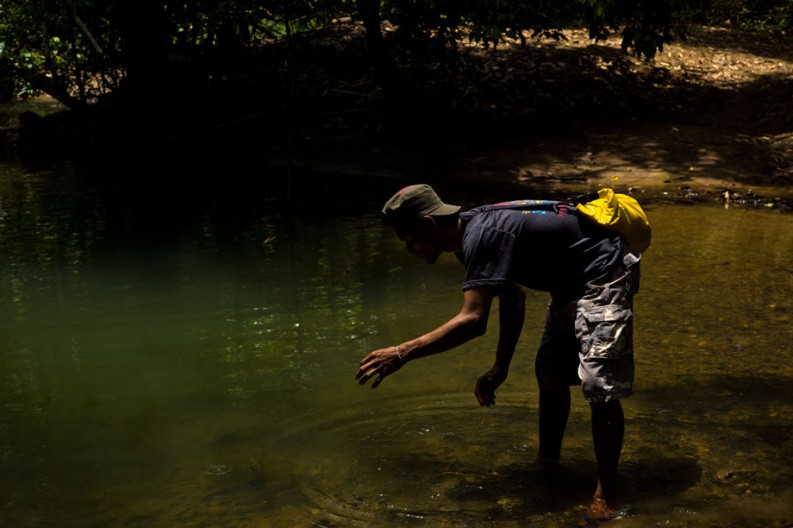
{"x":415,"y":202}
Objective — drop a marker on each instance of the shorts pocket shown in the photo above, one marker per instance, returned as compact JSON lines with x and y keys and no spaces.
{"x":605,"y":331}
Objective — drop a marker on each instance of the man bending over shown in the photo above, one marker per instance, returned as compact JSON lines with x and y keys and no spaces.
{"x":588,"y":335}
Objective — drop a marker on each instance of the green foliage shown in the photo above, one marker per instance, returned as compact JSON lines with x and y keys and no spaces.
{"x":63,"y":48}
{"x":483,"y":21}
{"x":235,"y":23}
{"x":515,"y":18}
{"x":774,"y":16}
{"x":645,"y":25}
{"x":79,"y":50}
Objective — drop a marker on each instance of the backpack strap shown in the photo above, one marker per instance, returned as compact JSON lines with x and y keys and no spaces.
{"x":583,"y":198}
{"x":532,"y":206}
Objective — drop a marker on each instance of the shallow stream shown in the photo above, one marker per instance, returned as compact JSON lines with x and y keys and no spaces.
{"x":199,"y":372}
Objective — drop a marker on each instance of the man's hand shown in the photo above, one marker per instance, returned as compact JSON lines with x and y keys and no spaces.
{"x":487,"y":384}
{"x":382,"y":363}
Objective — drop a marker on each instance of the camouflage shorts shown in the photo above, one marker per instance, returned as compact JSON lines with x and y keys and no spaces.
{"x":590,"y":340}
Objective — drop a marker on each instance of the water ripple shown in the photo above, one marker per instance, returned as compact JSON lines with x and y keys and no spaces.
{"x":426,"y":460}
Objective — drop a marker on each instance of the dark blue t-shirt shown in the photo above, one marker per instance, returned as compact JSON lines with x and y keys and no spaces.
{"x":544,"y":247}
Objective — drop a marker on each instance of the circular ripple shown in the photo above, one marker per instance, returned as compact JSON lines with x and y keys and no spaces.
{"x":418,"y":461}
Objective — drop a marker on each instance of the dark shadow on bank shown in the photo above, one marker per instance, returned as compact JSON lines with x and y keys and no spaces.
{"x":761,"y":44}
{"x":658,"y":469}
{"x":520,"y":492}
{"x":745,"y":403}
{"x":262,"y":125}
{"x":745,"y":412}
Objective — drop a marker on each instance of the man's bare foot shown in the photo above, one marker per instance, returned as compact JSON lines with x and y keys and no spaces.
{"x":547,"y":467}
{"x":601,"y":510}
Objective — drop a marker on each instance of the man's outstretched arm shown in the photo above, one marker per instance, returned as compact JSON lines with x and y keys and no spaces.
{"x":512,"y":309}
{"x":471,"y":322}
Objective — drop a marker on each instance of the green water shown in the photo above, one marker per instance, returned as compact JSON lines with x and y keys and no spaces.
{"x":196,"y":369}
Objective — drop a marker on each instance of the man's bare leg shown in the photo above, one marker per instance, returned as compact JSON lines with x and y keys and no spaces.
{"x":608,"y":429}
{"x":554,"y":412}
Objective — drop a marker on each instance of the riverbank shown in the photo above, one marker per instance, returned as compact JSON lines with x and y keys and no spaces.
{"x":709,"y":115}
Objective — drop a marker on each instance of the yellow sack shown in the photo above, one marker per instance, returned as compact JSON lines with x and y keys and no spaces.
{"x":621,"y":213}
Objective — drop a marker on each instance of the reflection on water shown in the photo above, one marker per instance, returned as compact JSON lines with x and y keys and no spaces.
{"x":197,"y":370}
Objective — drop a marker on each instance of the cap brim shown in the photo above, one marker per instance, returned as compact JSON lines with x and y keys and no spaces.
{"x":445,"y":210}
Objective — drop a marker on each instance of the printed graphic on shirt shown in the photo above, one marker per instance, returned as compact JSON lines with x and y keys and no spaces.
{"x":532,"y":206}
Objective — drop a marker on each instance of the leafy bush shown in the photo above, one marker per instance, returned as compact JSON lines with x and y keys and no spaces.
{"x":774,"y":16}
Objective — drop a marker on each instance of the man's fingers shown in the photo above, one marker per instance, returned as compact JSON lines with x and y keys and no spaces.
{"x":366,"y":376}
{"x":363,"y":375}
{"x":364,"y":368}
{"x":374,"y":364}
{"x":485,"y":400}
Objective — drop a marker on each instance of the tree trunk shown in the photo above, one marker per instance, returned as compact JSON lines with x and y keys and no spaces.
{"x":385,"y":66}
{"x":369,"y":11}
{"x":147,"y":43}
